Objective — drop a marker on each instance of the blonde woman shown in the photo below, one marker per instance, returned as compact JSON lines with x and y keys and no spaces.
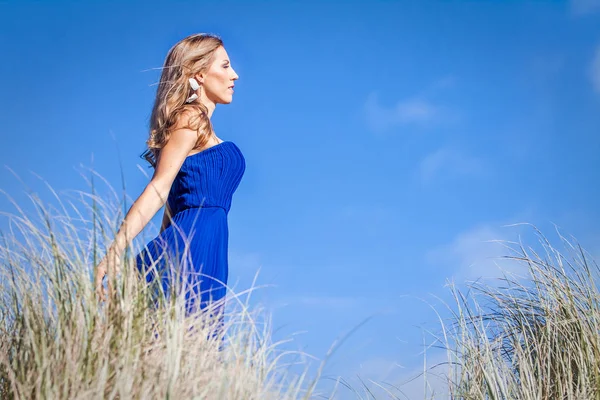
{"x":195,"y":173}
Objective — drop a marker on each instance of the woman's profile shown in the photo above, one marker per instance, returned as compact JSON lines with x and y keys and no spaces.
{"x":195,"y":176}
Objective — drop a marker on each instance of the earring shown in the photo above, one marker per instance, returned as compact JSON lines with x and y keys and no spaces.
{"x":195,"y":86}
{"x":194,"y":83}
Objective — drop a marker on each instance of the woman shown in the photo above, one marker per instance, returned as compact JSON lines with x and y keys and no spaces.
{"x":195,"y":173}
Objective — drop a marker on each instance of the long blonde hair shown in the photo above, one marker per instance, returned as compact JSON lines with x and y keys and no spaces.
{"x":189,"y":56}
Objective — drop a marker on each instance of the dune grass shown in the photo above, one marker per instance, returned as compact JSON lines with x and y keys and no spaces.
{"x":57,"y":342}
{"x":535,"y":336}
{"x":530,"y":334}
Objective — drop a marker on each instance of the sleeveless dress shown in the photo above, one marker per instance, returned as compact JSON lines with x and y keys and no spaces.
{"x":193,"y":249}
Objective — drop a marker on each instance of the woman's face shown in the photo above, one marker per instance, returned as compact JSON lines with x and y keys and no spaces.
{"x":218,"y":81}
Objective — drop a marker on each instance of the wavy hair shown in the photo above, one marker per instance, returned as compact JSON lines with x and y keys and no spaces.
{"x":185,"y":59}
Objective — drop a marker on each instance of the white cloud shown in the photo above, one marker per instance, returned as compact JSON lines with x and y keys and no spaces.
{"x":595,"y":70}
{"x":418,"y":110}
{"x":413,"y":111}
{"x":477,"y":253}
{"x":584,"y":7}
{"x":449,"y":162}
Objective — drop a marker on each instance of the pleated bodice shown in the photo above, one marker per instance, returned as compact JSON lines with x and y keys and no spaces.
{"x":208,"y":178}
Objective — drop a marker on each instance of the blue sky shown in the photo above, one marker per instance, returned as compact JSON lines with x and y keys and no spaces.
{"x":385,"y":141}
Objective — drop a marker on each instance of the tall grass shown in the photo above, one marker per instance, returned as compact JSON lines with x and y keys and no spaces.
{"x":56,"y":341}
{"x":532,"y":337}
{"x":530,"y":334}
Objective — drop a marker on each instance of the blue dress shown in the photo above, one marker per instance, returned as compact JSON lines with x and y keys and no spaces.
{"x":193,"y":249}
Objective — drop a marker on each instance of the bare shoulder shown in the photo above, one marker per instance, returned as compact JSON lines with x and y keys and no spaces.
{"x":182,"y":139}
{"x":182,"y":133}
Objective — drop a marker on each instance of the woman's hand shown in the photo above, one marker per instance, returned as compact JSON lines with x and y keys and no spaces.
{"x":100,"y":273}
{"x":111,"y":263}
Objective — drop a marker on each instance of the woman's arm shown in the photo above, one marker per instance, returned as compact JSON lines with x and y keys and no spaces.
{"x":154,"y":196}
